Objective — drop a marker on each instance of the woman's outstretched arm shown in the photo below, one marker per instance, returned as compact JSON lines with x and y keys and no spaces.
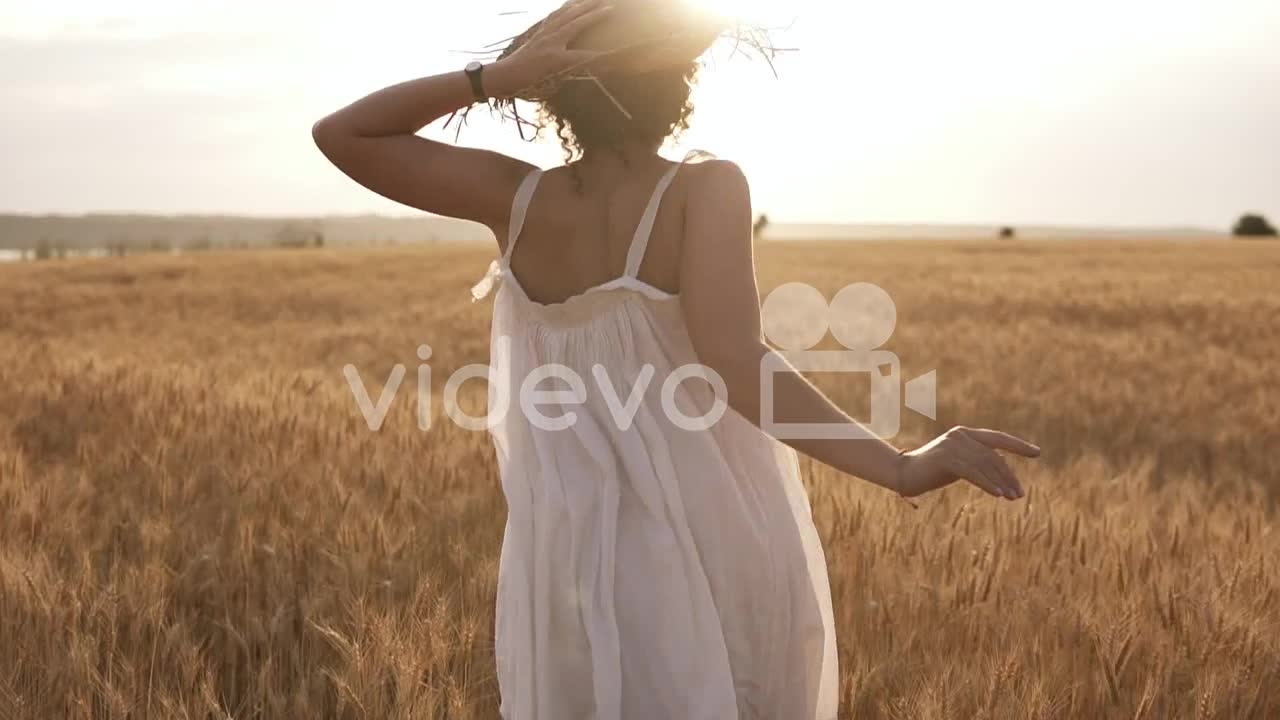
{"x":721,"y":304}
{"x":374,"y":139}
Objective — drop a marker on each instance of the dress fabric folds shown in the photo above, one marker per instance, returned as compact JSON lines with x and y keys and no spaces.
{"x":650,"y":570}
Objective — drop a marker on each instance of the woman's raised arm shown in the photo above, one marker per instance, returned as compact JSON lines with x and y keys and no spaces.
{"x":374,"y":140}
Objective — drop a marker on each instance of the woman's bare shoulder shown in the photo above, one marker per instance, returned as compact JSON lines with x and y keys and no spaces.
{"x":717,"y":179}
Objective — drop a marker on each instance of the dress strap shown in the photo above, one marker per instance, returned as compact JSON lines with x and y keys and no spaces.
{"x":520,"y":209}
{"x":640,"y":243}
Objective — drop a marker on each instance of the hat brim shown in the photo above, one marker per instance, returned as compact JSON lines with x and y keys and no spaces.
{"x":684,"y":32}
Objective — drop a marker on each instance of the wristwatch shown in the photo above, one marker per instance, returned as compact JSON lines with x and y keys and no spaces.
{"x":475,"y":73}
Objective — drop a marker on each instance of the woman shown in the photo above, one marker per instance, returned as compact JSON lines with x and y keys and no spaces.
{"x":649,"y":570}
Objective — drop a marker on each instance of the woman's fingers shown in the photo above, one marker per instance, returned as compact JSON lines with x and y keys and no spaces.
{"x":548,"y":50}
{"x":1004,"y":441}
{"x":977,"y":477}
{"x":551,"y":26}
{"x":994,"y":466}
{"x":962,"y":466}
{"x":1014,"y":483}
{"x":567,"y":12}
{"x":591,"y":13}
{"x":966,"y":454}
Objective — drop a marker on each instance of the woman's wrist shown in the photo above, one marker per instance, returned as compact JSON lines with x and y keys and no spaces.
{"x":900,"y":474}
{"x":503,"y":79}
{"x":900,"y":485}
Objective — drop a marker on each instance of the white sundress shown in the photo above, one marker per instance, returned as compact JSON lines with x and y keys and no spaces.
{"x":648,"y":572}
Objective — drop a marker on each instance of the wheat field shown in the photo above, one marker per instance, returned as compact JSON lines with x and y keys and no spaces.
{"x":195,"y":521}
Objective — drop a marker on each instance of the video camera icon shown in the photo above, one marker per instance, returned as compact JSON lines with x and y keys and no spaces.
{"x":862,"y":317}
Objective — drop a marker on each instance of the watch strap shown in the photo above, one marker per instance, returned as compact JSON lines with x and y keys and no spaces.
{"x":475,"y":73}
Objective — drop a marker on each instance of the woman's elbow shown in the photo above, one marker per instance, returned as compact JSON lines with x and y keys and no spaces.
{"x":331,"y":133}
{"x":323,"y":132}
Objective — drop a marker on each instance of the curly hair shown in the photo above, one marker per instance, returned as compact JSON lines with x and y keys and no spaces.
{"x":647,"y":109}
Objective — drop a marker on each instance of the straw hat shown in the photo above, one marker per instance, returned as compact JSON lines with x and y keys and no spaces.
{"x":682,"y":28}
{"x":685,"y":30}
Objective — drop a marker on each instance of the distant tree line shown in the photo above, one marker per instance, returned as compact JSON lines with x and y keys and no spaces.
{"x":1250,"y":225}
{"x":27,"y":237}
{"x":306,"y":234}
{"x":289,"y":235}
{"x":298,"y":236}
{"x":1253,"y":225}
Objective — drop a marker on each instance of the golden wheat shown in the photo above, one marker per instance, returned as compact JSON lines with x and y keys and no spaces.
{"x":195,"y":521}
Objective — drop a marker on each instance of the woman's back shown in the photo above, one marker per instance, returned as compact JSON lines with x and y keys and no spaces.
{"x":564,"y":247}
{"x":579,"y":230}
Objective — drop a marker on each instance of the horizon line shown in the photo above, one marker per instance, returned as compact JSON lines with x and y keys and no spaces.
{"x":797,"y":224}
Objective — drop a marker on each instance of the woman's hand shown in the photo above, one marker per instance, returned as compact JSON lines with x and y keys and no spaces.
{"x":964,"y":454}
{"x":548,"y":52}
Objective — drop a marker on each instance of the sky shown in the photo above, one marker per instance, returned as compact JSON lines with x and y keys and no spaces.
{"x":1093,"y":112}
